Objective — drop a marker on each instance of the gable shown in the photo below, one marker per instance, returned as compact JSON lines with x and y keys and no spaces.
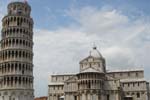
{"x":90,"y":69}
{"x":72,"y":79}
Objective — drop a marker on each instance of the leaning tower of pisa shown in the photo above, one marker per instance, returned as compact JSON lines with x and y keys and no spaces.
{"x":16,"y":55}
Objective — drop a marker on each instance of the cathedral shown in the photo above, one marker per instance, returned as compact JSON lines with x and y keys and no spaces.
{"x":94,"y":82}
{"x":16,"y":54}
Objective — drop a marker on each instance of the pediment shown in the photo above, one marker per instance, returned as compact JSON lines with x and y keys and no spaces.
{"x":86,"y":59}
{"x":72,"y":79}
{"x":89,"y":69}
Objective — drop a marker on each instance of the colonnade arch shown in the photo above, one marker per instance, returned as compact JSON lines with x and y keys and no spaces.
{"x":19,"y":20}
{"x":10,"y":54}
{"x":19,"y":81}
{"x":16,"y":68}
{"x":11,"y":42}
{"x":17,"y":32}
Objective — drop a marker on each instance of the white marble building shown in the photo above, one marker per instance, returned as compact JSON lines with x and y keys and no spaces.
{"x":93,"y":82}
{"x":16,"y":54}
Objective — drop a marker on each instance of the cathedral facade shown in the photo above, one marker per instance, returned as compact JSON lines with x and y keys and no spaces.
{"x":93,"y":82}
{"x":16,"y":54}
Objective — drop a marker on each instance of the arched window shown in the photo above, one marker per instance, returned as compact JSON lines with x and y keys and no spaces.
{"x":18,"y":22}
{"x":17,"y":30}
{"x":16,"y":53}
{"x":8,"y":67}
{"x":9,"y":42}
{"x":19,"y":80}
{"x":20,"y":42}
{"x":26,"y":55}
{"x":12,"y":66}
{"x":14,"y":31}
{"x":13,"y":53}
{"x":19,"y":53}
{"x":23,"y":54}
{"x":23,"y":69}
{"x":138,"y":95}
{"x":16,"y":65}
{"x":23,"y":80}
{"x":7,"y":80}
{"x":15,"y":80}
{"x":15,"y":19}
{"x":17,"y":41}
{"x":11,"y":81}
{"x":13,"y":41}
{"x":23,"y":42}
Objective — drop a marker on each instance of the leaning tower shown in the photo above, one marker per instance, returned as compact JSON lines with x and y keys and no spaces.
{"x":16,"y":55}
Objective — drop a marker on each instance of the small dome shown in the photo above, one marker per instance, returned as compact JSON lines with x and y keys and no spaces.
{"x":95,"y":53}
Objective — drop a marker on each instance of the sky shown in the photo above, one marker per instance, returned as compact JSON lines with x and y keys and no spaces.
{"x":65,"y":31}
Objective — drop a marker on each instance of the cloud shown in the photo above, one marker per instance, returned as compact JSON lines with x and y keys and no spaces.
{"x":118,"y":57}
{"x":119,"y":30}
{"x":123,"y":42}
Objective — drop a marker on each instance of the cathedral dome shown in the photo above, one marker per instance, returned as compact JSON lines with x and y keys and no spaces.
{"x":95,"y":53}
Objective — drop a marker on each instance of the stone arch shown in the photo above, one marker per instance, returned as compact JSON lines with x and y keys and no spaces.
{"x":11,"y":81}
{"x":16,"y":66}
{"x":23,"y":42}
{"x":4,"y":80}
{"x":23,"y":67}
{"x":9,"y":42}
{"x":26,"y":43}
{"x":8,"y":81}
{"x":13,"y":53}
{"x":6,"y":42}
{"x":29,"y":44}
{"x":23,"y":54}
{"x":26,"y":67}
{"x":10,"y":31}
{"x":14,"y":31}
{"x":16,"y":80}
{"x":19,"y":80}
{"x":20,"y":42}
{"x":13,"y":41}
{"x":16,"y":54}
{"x":8,"y":67}
{"x":26,"y":80}
{"x":17,"y":41}
{"x":24,"y":20}
{"x":12,"y":67}
{"x":20,"y":54}
{"x":18,"y":21}
{"x":14,"y":19}
{"x":17,"y":30}
{"x":20,"y":65}
{"x":21,"y":20}
{"x":21,"y":31}
{"x":26,"y":54}
{"x":6,"y":55}
{"x":23,"y":80}
{"x":7,"y":32}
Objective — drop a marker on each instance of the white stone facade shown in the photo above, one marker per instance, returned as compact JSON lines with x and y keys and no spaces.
{"x":16,"y":55}
{"x":93,"y":82}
